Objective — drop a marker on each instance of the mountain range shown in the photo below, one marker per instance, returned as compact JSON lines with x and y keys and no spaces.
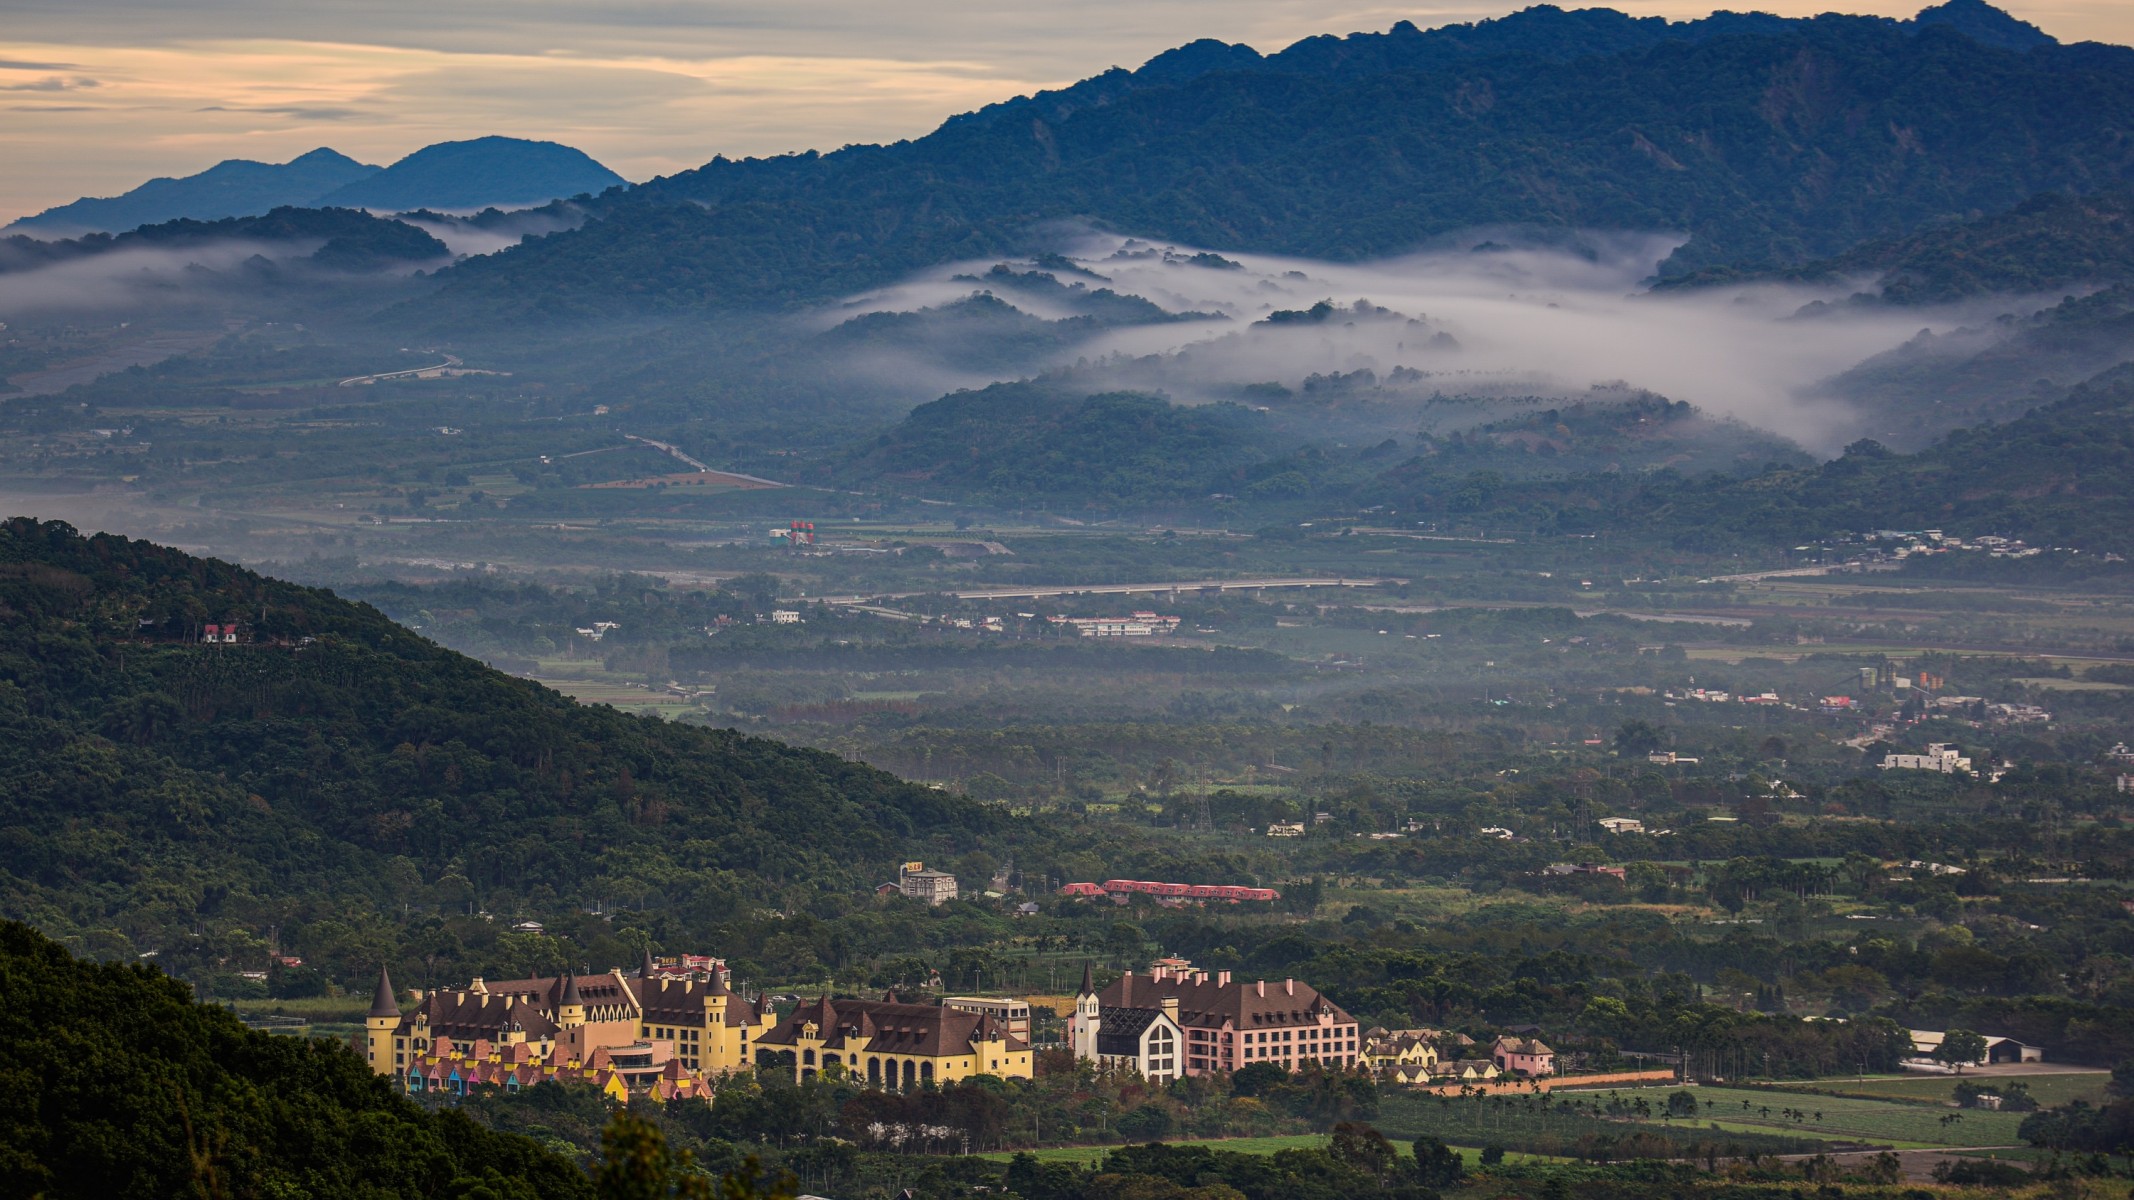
{"x":484,"y":172}
{"x":1767,"y":141}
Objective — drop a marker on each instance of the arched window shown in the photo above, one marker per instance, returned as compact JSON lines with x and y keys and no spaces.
{"x":807,"y":1057}
{"x":926,"y":1072}
{"x":874,"y":1070}
{"x":911,"y":1073}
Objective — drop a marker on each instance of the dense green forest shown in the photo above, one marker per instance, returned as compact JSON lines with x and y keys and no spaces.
{"x":331,"y":757}
{"x":121,"y":1085}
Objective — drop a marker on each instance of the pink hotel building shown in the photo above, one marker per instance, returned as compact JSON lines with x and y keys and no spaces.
{"x":1227,"y":1025}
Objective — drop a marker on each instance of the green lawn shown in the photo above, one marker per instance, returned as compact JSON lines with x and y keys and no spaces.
{"x":1089,"y":1155}
{"x":1847,"y":1117}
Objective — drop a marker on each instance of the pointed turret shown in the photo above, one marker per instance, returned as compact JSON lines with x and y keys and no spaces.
{"x":570,"y":1007}
{"x":379,"y":1025}
{"x":1088,"y":1014}
{"x":644,"y":971}
{"x":382,"y":1001}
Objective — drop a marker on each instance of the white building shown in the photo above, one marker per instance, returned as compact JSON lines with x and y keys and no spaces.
{"x":1621,"y":825}
{"x":1140,"y":624}
{"x":1940,"y":756}
{"x":1012,"y":1014}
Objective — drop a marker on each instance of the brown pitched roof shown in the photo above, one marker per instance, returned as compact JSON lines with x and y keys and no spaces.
{"x":681,"y":1001}
{"x":928,"y":1030}
{"x":465,"y":1016}
{"x":1205,"y":1004}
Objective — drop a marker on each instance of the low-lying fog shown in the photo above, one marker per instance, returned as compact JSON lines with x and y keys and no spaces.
{"x":1476,"y":320}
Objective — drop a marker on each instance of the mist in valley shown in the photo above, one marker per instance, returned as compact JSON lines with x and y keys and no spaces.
{"x":1485,"y":320}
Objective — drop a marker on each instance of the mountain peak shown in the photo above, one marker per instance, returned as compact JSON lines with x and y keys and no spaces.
{"x":1985,"y":24}
{"x":1198,"y":58}
{"x":507,"y":172}
{"x":326,"y":156}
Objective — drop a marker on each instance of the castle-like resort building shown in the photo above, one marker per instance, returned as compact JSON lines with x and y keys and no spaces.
{"x":666,"y":1033}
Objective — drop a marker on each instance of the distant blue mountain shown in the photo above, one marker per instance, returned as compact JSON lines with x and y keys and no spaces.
{"x":491,"y":171}
{"x":235,"y":188}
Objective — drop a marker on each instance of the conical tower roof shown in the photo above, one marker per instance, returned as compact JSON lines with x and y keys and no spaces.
{"x":1089,"y":980}
{"x":382,"y":1003}
{"x":644,"y":970}
{"x":570,"y":992}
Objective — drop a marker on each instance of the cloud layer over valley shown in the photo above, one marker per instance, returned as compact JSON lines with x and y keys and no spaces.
{"x":1484,"y":316}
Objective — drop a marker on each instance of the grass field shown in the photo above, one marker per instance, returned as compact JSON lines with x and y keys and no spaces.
{"x":316,"y":1008}
{"x":1088,"y":1155}
{"x":620,"y":695}
{"x":1890,"y":1121}
{"x":2048,"y":1090}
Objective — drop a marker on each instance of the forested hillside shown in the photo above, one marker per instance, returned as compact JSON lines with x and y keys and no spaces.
{"x":150,"y":783}
{"x":1768,"y":141}
{"x":2062,"y":475}
{"x":2054,"y":240}
{"x":343,"y":239}
{"x":2058,"y":476}
{"x":120,"y":1085}
{"x":1032,"y":443}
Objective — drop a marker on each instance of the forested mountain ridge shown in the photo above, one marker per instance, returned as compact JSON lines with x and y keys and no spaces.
{"x":336,"y":238}
{"x":1776,"y":146}
{"x":149,"y":782}
{"x":1542,"y":31}
{"x":2061,"y":475}
{"x":2053,"y":240}
{"x":126,"y":1087}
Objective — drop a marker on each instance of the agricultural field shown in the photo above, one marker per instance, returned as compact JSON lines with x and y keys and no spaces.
{"x":1088,"y":1155}
{"x":1848,"y":1118}
{"x":628,"y":697}
{"x":2047,"y":1090}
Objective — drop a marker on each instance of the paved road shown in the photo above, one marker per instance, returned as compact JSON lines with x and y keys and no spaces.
{"x":451,"y":360}
{"x":1121,"y":589}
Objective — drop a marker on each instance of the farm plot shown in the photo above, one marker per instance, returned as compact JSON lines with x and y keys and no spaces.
{"x":2047,"y":1090}
{"x":1854,"y":1118}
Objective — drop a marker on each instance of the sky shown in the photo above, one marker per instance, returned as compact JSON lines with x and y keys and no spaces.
{"x":97,"y":96}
